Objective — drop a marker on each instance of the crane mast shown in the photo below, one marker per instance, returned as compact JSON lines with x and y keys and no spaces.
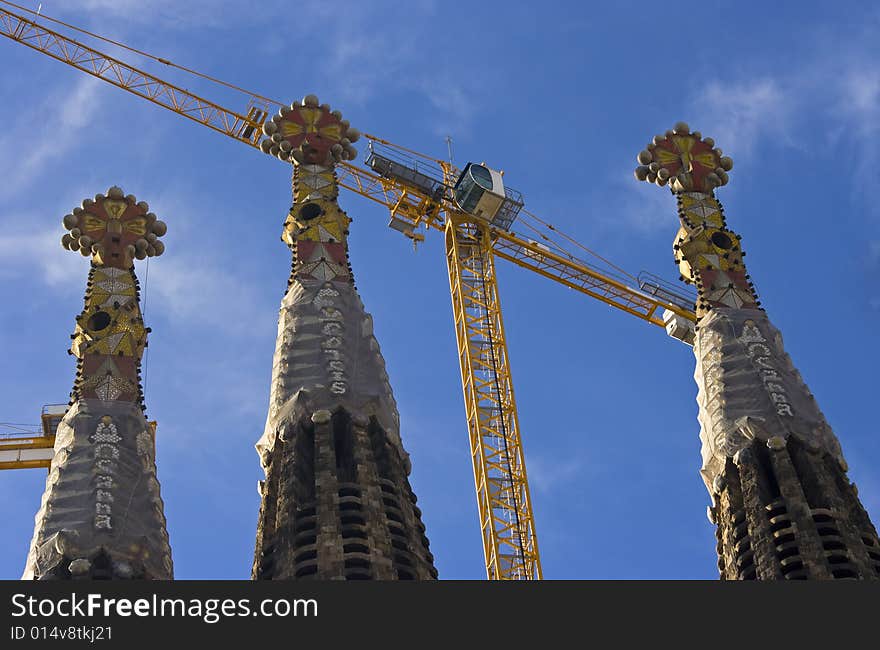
{"x":504,"y":504}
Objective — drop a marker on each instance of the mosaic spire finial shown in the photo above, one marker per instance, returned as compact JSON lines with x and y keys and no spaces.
{"x":687,"y":161}
{"x":309,"y":133}
{"x":314,"y":138}
{"x":708,"y":254}
{"x":114,"y":229}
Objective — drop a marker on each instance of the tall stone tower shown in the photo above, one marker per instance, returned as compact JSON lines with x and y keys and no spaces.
{"x":336,"y":502}
{"x":101,"y":515}
{"x":781,"y":500}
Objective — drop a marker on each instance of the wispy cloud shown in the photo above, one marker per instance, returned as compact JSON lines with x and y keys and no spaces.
{"x":185,"y":289}
{"x":641,"y":208}
{"x":189,"y":284}
{"x":363,"y":55}
{"x":736,"y":114}
{"x":857,"y":109}
{"x":873,"y":264}
{"x":25,"y":151}
{"x":200,"y":291}
{"x":551,"y":474}
{"x":748,"y":114}
{"x":378,"y":56}
{"x":456,"y":105}
{"x":22,"y":253}
{"x":168,"y":13}
{"x":862,"y":89}
{"x":741,"y":112}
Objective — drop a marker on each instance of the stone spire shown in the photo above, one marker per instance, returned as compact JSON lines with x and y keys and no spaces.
{"x":101,"y":515}
{"x":336,"y":502}
{"x":781,"y":500}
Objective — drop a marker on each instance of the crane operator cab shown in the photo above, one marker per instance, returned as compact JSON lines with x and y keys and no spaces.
{"x":480,"y":191}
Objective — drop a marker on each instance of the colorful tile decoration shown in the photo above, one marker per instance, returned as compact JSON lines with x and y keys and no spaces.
{"x":707,"y":253}
{"x":114,"y":229}
{"x":309,"y":133}
{"x":314,"y":138}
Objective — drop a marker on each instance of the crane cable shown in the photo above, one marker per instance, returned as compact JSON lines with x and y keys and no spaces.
{"x":578,"y":244}
{"x":564,"y":252}
{"x":143,"y":318}
{"x":19,"y":427}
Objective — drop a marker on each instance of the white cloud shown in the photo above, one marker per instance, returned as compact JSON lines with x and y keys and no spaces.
{"x":183,"y":289}
{"x":456,"y":106}
{"x":198,"y":291}
{"x":74,"y":109}
{"x":549,"y":475}
{"x":862,"y":90}
{"x":857,"y":111}
{"x":22,"y":252}
{"x":372,"y":59}
{"x":738,"y":114}
{"x":643,"y":208}
{"x":170,"y":13}
{"x":839,"y":92}
{"x":189,"y":284}
{"x":377,"y":57}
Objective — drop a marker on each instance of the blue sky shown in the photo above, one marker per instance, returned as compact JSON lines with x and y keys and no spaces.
{"x":560,"y":95}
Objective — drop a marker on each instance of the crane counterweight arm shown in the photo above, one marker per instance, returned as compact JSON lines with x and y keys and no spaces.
{"x":245,"y":128}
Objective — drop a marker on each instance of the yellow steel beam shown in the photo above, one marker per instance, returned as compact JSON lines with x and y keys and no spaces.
{"x":510,"y":543}
{"x":403,"y":202}
{"x":26,"y":464}
{"x":576,"y":275}
{"x":245,"y":128}
{"x":12,"y":450}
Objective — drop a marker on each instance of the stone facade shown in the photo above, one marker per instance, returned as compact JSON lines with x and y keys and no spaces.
{"x":781,"y":500}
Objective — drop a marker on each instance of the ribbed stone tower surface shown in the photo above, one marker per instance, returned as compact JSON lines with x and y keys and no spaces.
{"x":336,"y":501}
{"x":781,"y":499}
{"x":101,"y":516}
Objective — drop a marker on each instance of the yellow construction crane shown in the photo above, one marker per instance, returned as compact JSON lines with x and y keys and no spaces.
{"x":476,"y":212}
